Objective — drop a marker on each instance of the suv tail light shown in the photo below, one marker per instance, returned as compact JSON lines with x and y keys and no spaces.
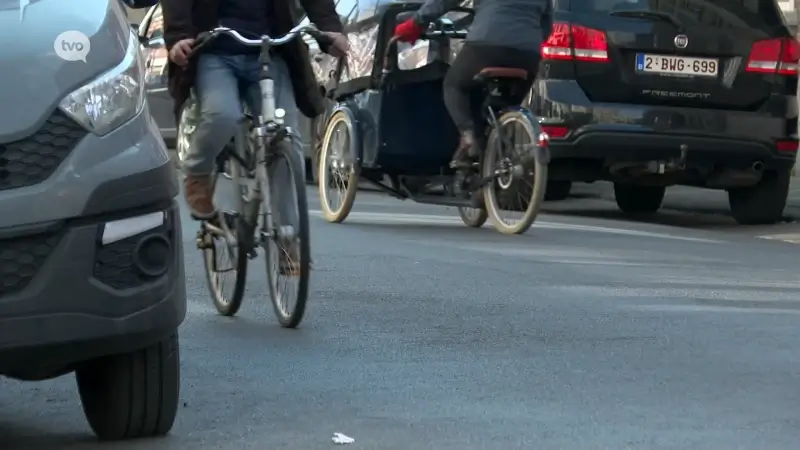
{"x":774,"y":56}
{"x":575,"y":42}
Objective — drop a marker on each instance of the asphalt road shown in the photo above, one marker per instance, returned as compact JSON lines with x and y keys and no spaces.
{"x":583,"y":334}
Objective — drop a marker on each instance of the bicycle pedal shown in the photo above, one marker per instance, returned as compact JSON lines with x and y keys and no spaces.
{"x":202,"y":242}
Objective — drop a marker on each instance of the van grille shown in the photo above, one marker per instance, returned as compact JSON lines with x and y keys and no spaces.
{"x":35,"y":158}
{"x":21,"y":258}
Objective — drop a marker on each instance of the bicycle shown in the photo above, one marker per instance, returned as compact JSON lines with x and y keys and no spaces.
{"x":260,"y":144}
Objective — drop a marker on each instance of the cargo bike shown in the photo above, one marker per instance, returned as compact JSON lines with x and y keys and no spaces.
{"x":389,"y":127}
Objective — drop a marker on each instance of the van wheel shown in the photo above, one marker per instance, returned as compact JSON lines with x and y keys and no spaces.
{"x":633,"y":199}
{"x":763,"y":203}
{"x":557,"y":190}
{"x":132,"y":395}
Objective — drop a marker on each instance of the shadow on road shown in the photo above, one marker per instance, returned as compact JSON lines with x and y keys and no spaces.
{"x":683,"y":207}
{"x":19,"y":434}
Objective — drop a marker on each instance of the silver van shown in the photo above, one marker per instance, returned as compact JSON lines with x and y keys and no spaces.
{"x":91,"y":260}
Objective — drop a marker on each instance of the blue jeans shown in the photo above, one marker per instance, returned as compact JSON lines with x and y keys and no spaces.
{"x":222,"y":82}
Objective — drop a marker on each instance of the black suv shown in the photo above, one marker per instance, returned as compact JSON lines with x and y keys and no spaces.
{"x":654,"y":93}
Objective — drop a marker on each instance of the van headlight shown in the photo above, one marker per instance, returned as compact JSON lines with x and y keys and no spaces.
{"x":111,"y":99}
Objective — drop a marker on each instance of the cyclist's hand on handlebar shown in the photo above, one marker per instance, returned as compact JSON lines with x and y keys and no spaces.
{"x":408,"y":31}
{"x":337,"y":43}
{"x":180,"y":52}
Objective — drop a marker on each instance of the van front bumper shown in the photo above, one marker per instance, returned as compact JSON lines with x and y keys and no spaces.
{"x":76,"y":290}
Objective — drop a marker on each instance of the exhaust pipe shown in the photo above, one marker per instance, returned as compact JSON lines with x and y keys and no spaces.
{"x":757,"y":166}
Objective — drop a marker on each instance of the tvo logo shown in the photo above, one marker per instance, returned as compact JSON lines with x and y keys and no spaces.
{"x":72,"y":46}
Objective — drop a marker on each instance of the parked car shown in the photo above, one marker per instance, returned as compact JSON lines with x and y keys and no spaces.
{"x":155,"y":55}
{"x":653,"y":94}
{"x":91,"y":260}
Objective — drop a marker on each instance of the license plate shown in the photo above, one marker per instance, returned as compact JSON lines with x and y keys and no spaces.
{"x":676,"y":65}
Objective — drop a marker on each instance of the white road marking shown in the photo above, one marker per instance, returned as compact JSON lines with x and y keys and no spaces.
{"x":396,"y":218}
{"x":793,"y":238}
{"x":681,"y":293}
{"x":733,"y":308}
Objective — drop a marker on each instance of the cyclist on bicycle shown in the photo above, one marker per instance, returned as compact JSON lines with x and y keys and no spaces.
{"x":504,"y":33}
{"x":227,"y":71}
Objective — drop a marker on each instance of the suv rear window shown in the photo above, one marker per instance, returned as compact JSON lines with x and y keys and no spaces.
{"x":689,"y":11}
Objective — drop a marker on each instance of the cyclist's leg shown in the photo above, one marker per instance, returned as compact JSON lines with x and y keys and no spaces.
{"x":459,"y":83}
{"x":216,"y":88}
{"x":457,"y":86}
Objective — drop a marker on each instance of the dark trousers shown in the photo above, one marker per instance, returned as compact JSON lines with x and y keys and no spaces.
{"x":459,"y":84}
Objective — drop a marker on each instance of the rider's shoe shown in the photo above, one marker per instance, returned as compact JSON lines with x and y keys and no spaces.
{"x":464,"y":154}
{"x":199,"y":193}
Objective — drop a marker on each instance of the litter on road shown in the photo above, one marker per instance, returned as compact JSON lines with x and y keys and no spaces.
{"x":339,"y":438}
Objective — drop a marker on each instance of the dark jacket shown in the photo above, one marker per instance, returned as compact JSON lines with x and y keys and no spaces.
{"x":519,"y":24}
{"x":139,"y":4}
{"x":184,"y":19}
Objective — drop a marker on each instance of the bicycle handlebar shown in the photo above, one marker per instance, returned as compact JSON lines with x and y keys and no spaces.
{"x":392,"y":44}
{"x":207,"y":36}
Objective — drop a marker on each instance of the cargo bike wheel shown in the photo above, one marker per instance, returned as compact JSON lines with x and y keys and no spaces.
{"x":473,"y":217}
{"x":339,"y":168}
{"x":520,"y":173}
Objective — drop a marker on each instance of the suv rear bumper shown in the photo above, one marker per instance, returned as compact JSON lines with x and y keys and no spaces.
{"x":629,"y":132}
{"x":635,"y":147}
{"x":75,"y":290}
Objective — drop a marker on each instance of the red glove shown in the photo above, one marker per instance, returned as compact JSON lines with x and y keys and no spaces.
{"x":408,"y":31}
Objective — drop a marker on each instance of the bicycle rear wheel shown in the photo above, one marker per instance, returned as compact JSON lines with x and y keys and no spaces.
{"x":520,"y":194}
{"x":223,"y":259}
{"x":286,"y":239}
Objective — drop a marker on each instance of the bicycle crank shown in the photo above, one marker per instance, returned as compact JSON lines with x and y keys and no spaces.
{"x":203,"y":240}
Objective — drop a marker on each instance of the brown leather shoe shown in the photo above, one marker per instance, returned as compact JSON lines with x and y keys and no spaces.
{"x":465,"y":150}
{"x":199,"y":193}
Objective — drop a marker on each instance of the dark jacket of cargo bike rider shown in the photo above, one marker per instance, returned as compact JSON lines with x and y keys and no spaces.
{"x":504,"y":33}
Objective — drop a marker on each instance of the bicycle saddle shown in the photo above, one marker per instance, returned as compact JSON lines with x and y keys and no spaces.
{"x":501,"y":72}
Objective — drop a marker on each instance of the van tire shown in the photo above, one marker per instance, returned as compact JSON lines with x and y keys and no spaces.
{"x":557,"y":190}
{"x":634,"y":199}
{"x":763,"y":203}
{"x":132,"y":395}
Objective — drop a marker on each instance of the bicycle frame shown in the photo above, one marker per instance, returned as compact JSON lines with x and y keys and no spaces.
{"x":269,"y":126}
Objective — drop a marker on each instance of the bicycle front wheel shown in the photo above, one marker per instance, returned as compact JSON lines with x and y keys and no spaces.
{"x":517,"y":194}
{"x":286,"y":235}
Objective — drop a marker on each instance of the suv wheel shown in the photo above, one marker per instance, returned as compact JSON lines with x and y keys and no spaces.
{"x":763,"y":203}
{"x":557,"y":190}
{"x":132,"y":395}
{"x":633,"y":199}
